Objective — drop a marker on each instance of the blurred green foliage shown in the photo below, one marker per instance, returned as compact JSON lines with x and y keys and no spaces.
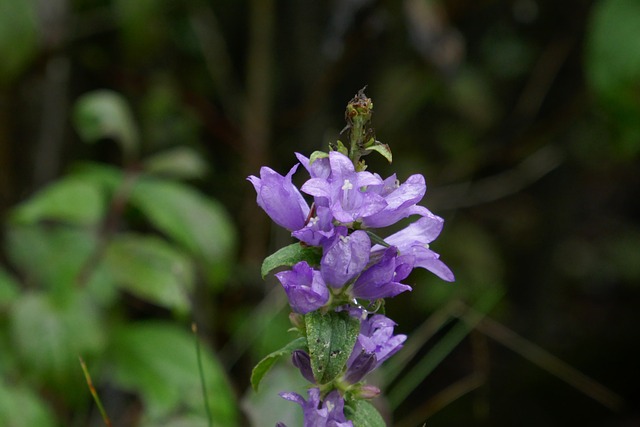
{"x":523,"y":115}
{"x":74,"y":246}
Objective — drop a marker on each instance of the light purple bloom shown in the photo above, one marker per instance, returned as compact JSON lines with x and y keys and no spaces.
{"x":304,"y":287}
{"x":414,"y":240}
{"x":319,"y":229}
{"x":382,"y":279}
{"x":345,"y":190}
{"x":326,"y":413}
{"x":320,"y":168}
{"x":280,"y":199}
{"x":375,"y":344}
{"x":345,"y":257}
{"x":400,"y":199}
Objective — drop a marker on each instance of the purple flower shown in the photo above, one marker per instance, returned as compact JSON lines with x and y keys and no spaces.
{"x":326,"y":413}
{"x":400,"y":201}
{"x":280,"y":199}
{"x":382,"y":279}
{"x":414,"y":240}
{"x":320,"y":168}
{"x":345,"y":190}
{"x":302,"y":361}
{"x":304,"y":287}
{"x":319,"y":230}
{"x":375,"y":344}
{"x":345,"y":257}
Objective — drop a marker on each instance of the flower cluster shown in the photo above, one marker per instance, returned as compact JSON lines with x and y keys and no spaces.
{"x":356,"y":268}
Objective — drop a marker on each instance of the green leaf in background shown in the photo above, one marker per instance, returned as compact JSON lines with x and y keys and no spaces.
{"x":50,"y":257}
{"x":613,"y":64}
{"x":197,"y":223}
{"x":106,"y":114}
{"x":330,"y":338}
{"x":108,"y":178}
{"x":21,"y":407}
{"x":363,"y":414}
{"x":68,"y":200}
{"x":267,"y":408}
{"x":18,"y":37}
{"x":152,"y":269}
{"x":143,"y":26}
{"x":179,"y":162}
{"x":49,"y":334}
{"x":261,"y":369}
{"x":290,"y":256}
{"x":9,"y":288}
{"x":158,"y":361}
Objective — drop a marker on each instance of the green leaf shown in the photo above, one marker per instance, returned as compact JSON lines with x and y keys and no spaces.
{"x":68,"y":200}
{"x":363,"y":414}
{"x":151,"y":269}
{"x":330,"y":338}
{"x":9,"y":288}
{"x":290,"y":256}
{"x":158,"y":360}
{"x":197,"y":223}
{"x":52,"y":257}
{"x":317,"y":155}
{"x":107,"y":178}
{"x":340,"y":148}
{"x":135,"y":18}
{"x":106,"y":114}
{"x":382,"y":149}
{"x":613,"y":65}
{"x":18,"y":37}
{"x":179,"y":162}
{"x":48,"y":335}
{"x":21,"y":407}
{"x":261,"y":369}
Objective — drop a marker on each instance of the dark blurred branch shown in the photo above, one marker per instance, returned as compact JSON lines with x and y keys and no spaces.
{"x":53,"y":17}
{"x":216,"y":56}
{"x":504,"y":184}
{"x":540,"y":80}
{"x":545,"y":360}
{"x":55,"y":111}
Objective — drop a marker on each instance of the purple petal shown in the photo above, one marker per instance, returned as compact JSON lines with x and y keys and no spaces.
{"x":304,"y":287}
{"x":423,"y":231}
{"x":320,"y":168}
{"x":361,"y":366}
{"x":280,"y":199}
{"x":345,"y":258}
{"x":302,"y":361}
{"x":317,"y":413}
{"x":375,"y":338}
{"x":381,"y":279}
{"x":319,"y":230}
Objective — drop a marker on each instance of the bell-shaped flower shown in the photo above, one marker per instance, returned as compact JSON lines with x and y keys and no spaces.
{"x":382,"y":279}
{"x":328,"y":412}
{"x":345,"y":257}
{"x":414,"y":240}
{"x":318,"y":230}
{"x":346,"y":190}
{"x":400,"y":201}
{"x":304,"y":287}
{"x":375,"y":344}
{"x":302,"y":361}
{"x":319,"y":168}
{"x":280,"y":199}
